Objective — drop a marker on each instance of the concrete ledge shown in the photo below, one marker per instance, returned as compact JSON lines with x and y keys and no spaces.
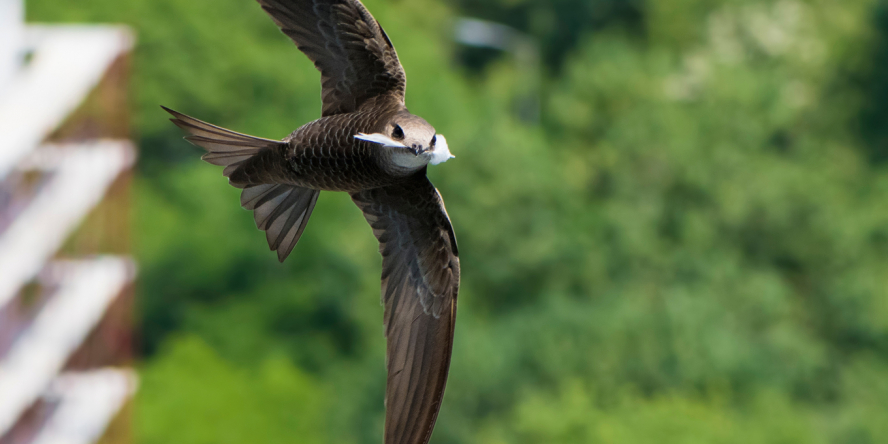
{"x":83,"y":173}
{"x":87,"y":404}
{"x":67,"y":63}
{"x":86,"y":291}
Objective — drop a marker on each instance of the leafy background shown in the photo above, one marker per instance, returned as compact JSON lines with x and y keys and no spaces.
{"x":689,"y":246}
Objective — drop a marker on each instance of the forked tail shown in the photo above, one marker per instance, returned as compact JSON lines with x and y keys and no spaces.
{"x":281,"y":210}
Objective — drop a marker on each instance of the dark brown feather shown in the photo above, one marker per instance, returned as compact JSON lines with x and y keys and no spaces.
{"x":420,"y":282}
{"x":356,"y":59}
{"x":224,"y":147}
{"x":281,"y":210}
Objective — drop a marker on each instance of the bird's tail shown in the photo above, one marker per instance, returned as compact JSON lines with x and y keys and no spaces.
{"x":280,"y":209}
{"x":224,"y":147}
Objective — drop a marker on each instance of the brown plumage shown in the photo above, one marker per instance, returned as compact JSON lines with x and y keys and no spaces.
{"x":366,"y":143}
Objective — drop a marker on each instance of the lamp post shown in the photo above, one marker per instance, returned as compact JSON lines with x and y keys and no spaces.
{"x":524,"y":49}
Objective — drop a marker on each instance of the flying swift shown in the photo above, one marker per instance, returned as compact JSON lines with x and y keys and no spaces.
{"x":367,"y":144}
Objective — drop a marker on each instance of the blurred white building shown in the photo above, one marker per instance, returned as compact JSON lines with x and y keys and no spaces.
{"x":65,"y":276}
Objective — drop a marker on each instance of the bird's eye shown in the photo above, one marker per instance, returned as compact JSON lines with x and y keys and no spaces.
{"x":398,"y":133}
{"x":434,"y":139}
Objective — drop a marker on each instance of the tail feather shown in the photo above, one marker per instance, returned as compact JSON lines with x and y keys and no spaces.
{"x":203,"y":129}
{"x":281,"y":210}
{"x":224,"y":147}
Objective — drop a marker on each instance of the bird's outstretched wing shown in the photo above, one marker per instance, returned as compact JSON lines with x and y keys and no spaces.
{"x":356,"y":58}
{"x":420,"y":281}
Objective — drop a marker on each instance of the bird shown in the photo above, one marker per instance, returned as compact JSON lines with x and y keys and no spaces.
{"x":366,"y":143}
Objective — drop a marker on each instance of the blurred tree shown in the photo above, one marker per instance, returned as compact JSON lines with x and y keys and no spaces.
{"x":273,"y":403}
{"x":557,"y":24}
{"x":875,"y":111}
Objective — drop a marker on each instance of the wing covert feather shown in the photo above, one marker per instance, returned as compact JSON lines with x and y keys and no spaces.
{"x":357,"y":61}
{"x":420,"y":282}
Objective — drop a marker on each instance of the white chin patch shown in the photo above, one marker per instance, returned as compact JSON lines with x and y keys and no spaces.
{"x":381,"y":139}
{"x":441,"y":153}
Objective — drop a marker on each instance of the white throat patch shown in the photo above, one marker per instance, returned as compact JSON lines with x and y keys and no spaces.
{"x":441,"y":153}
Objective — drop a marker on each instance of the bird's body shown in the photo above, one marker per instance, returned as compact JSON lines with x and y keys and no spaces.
{"x":367,"y":144}
{"x":324,"y":155}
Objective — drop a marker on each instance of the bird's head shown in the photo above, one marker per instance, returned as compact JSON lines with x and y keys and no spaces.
{"x":412,"y":142}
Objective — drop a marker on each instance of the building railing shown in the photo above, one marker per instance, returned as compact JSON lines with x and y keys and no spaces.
{"x":66,"y":278}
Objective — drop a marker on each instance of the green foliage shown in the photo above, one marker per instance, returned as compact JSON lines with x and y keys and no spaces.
{"x":576,"y":415}
{"x":274,"y":402}
{"x":690,"y":247}
{"x":875,"y":110}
